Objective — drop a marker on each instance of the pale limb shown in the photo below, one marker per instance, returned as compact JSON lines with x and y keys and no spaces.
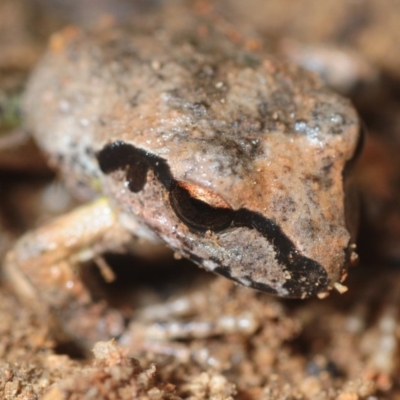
{"x":42,"y":269}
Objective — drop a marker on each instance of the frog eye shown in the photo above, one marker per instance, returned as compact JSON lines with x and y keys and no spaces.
{"x":199,"y":208}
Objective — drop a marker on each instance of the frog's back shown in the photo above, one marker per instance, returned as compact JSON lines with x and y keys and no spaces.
{"x":89,"y":90}
{"x":263,"y":136}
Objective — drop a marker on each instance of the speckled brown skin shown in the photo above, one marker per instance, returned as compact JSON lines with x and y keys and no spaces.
{"x":265,"y":137}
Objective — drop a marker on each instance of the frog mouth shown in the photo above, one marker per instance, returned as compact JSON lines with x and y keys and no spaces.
{"x":307,"y":276}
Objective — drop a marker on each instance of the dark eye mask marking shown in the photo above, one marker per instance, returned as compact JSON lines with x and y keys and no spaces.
{"x":306,"y":276}
{"x":120,"y":155}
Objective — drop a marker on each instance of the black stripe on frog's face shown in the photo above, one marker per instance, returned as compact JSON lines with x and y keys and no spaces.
{"x":137,"y":162}
{"x":305,"y":276}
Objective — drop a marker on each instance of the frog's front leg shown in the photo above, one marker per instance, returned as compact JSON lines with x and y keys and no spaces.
{"x":42,"y":270}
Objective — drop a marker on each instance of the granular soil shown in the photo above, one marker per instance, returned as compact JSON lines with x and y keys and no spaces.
{"x":187,"y":334}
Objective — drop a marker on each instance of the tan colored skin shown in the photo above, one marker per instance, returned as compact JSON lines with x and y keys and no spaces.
{"x":260,"y":134}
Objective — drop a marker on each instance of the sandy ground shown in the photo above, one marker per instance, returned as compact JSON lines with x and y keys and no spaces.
{"x":232,"y":342}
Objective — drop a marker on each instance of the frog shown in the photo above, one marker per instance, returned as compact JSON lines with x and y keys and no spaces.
{"x":236,"y":160}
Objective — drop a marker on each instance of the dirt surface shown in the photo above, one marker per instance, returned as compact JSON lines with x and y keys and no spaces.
{"x":187,"y":334}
